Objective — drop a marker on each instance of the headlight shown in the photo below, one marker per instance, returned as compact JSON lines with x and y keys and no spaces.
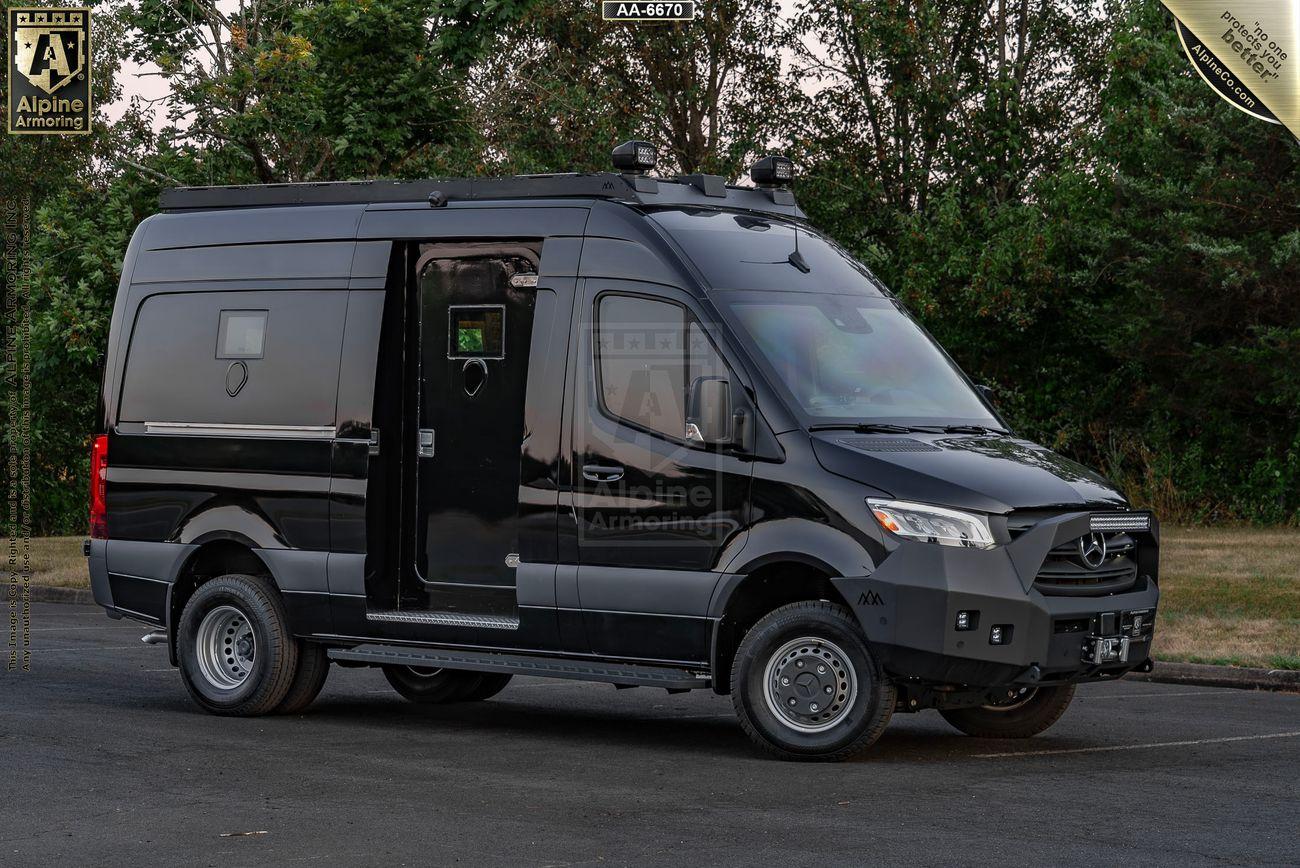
{"x":934,"y":524}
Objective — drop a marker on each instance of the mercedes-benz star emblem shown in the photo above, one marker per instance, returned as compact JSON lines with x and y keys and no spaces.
{"x":1092,"y":550}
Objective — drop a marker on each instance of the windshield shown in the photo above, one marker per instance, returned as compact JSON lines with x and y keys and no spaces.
{"x":754,"y":252}
{"x":854,"y":358}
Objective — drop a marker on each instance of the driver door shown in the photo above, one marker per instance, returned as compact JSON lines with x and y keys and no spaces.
{"x":653,"y":509}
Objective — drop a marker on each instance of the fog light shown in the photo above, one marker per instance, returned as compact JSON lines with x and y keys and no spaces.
{"x":968,"y":620}
{"x":1000,"y":634}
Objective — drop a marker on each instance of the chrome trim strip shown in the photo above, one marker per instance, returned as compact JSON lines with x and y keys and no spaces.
{"x":217,"y":429}
{"x":449,"y":619}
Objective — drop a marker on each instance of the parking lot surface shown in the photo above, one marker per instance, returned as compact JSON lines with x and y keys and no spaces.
{"x":105,"y":761}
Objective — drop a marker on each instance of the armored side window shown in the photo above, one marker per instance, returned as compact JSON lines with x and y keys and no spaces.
{"x":242,"y":334}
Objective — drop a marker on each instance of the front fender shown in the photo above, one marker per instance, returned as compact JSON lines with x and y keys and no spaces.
{"x":795,"y":540}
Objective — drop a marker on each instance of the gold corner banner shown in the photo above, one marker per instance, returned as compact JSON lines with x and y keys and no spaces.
{"x":1246,"y":50}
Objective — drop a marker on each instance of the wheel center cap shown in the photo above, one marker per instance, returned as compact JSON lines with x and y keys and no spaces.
{"x":806,"y":685}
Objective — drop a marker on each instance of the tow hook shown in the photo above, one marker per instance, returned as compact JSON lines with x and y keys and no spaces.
{"x":1032,"y":675}
{"x":155,"y":637}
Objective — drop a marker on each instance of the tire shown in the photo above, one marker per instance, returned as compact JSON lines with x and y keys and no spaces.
{"x":490,"y":684}
{"x":429,"y":686}
{"x":1024,"y":717}
{"x":796,"y":652}
{"x":308,"y":680}
{"x":235,"y":651}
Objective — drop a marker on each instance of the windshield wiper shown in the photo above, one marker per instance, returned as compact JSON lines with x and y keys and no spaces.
{"x":862,"y":427}
{"x":887,"y":428}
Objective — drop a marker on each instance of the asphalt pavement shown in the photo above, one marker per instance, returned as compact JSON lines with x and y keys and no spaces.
{"x":105,"y":761}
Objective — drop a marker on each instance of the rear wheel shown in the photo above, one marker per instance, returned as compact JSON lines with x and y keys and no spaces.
{"x":236,"y":654}
{"x":1024,"y":713}
{"x":308,"y":681}
{"x":805,"y":685}
{"x":489,"y":685}
{"x":430,"y":685}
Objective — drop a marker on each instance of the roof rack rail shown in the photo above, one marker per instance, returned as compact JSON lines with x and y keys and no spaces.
{"x":635,"y":189}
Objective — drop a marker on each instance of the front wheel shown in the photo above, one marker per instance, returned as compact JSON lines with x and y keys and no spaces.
{"x":1024,"y":713}
{"x":806,"y":686}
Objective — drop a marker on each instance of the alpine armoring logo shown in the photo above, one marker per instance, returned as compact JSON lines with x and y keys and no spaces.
{"x":49,"y":70}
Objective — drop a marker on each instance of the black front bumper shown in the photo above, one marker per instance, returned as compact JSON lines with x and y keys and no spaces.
{"x":909,"y":608}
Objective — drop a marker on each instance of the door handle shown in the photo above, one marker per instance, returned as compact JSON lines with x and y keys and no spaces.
{"x":601,"y":473}
{"x":424,"y":443}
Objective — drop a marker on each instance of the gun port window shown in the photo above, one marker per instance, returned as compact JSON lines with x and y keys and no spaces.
{"x":477,"y":332}
{"x":241,"y":334}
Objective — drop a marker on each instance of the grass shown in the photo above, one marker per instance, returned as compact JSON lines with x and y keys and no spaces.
{"x":1229,"y":596}
{"x":56,"y":561}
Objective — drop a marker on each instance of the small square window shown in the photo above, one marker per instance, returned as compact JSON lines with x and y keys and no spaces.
{"x":477,"y":332}
{"x":242,"y":334}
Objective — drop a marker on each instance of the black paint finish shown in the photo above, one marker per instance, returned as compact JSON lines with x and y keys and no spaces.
{"x":602,"y":537}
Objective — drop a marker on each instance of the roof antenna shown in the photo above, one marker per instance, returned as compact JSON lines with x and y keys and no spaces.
{"x":796,"y":258}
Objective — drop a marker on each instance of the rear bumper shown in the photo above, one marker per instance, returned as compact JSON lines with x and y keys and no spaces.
{"x":97,"y":564}
{"x":908,"y":609}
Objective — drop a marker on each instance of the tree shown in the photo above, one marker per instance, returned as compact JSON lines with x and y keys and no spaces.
{"x":312,"y":90}
{"x":561,"y":87}
{"x":1196,"y":246}
{"x":73,"y":276}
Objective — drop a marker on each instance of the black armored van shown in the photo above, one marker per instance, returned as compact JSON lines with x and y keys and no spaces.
{"x":612,"y":427}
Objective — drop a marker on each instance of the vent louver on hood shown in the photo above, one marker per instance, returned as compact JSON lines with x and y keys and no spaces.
{"x":887,"y":444}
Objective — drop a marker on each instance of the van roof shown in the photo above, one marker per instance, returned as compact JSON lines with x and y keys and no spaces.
{"x":684,"y":190}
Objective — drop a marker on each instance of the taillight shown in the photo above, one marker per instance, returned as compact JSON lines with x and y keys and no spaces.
{"x":99,"y":488}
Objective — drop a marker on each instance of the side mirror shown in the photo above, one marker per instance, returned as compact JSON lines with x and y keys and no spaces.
{"x":986,"y":392}
{"x":709,"y":418}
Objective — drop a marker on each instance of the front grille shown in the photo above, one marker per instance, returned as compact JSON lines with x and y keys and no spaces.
{"x":1067,"y":573}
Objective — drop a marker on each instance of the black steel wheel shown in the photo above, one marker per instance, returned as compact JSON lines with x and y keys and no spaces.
{"x":1023,"y":713}
{"x":233,"y":644}
{"x":806,"y":686}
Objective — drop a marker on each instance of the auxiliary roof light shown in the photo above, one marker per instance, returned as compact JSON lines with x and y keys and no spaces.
{"x":635,"y":158}
{"x":773,"y":171}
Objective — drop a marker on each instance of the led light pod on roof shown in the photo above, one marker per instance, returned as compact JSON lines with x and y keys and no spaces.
{"x":635,"y":157}
{"x":773,"y":171}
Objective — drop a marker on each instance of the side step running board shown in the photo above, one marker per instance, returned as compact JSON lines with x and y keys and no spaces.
{"x":447,"y":619}
{"x":630,"y":674}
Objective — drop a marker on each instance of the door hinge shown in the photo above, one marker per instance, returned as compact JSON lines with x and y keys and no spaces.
{"x":374,"y":441}
{"x":424,"y":442}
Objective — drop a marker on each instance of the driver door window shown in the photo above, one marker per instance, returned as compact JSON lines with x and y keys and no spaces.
{"x":642,"y":362}
{"x":648,"y":353}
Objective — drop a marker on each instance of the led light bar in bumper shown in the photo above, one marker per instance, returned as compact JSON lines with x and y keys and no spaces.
{"x":1120,"y":522}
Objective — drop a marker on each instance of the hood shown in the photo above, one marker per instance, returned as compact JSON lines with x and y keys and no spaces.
{"x":982,"y":472}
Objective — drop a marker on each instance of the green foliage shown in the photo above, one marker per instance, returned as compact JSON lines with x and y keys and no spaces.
{"x":81,"y":236}
{"x":1118,"y":259}
{"x":321,"y":89}
{"x":561,"y":87}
